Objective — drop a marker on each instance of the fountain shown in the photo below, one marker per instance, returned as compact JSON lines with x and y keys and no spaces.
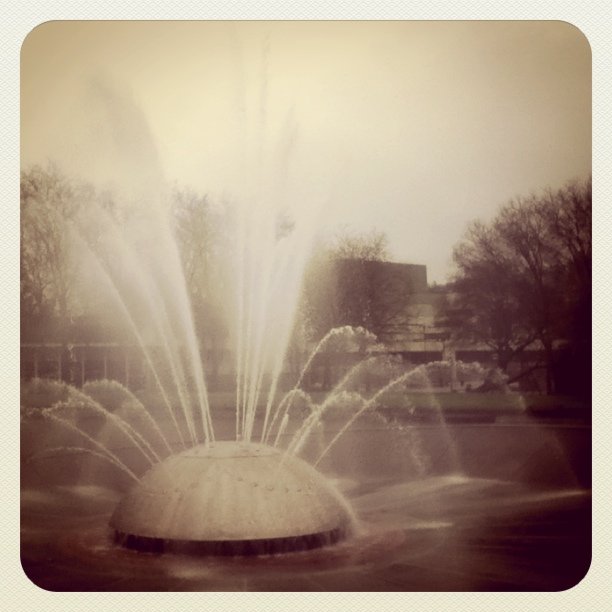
{"x":231,"y":499}
{"x":389,"y":506}
{"x":341,"y":497}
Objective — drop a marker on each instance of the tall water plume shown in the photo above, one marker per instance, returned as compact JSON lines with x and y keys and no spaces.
{"x":127,"y":239}
{"x":124,"y":234}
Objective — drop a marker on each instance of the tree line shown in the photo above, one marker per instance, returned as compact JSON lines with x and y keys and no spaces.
{"x":63,"y":222}
{"x":521,"y":281}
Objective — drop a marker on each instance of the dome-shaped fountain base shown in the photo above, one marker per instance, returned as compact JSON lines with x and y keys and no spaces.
{"x":231,"y":499}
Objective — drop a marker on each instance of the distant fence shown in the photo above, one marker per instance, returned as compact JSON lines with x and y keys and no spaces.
{"x":79,"y":363}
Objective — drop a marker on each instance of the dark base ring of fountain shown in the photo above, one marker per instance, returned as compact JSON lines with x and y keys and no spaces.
{"x":231,"y":498}
{"x":270,"y":546}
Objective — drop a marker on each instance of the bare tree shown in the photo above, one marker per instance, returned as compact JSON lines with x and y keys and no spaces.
{"x":204,"y":239}
{"x":368,"y":246}
{"x":569,"y":215}
{"x":483,"y":304}
{"x":350,"y":283}
{"x":519,"y":278}
{"x":48,"y":266}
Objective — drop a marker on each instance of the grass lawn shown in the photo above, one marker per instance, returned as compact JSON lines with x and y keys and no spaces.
{"x":399,"y":403}
{"x":451,"y":403}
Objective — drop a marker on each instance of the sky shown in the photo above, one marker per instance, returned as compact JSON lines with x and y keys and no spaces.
{"x":410,"y":128}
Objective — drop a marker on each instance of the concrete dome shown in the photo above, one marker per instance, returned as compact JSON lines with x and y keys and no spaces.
{"x":231,"y":498}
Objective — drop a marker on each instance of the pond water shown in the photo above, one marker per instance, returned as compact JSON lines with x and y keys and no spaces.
{"x":516,"y":516}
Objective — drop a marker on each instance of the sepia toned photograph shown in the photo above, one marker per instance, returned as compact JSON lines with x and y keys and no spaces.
{"x":305,"y":306}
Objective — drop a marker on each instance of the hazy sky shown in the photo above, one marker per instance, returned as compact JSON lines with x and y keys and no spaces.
{"x":412,"y":128}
